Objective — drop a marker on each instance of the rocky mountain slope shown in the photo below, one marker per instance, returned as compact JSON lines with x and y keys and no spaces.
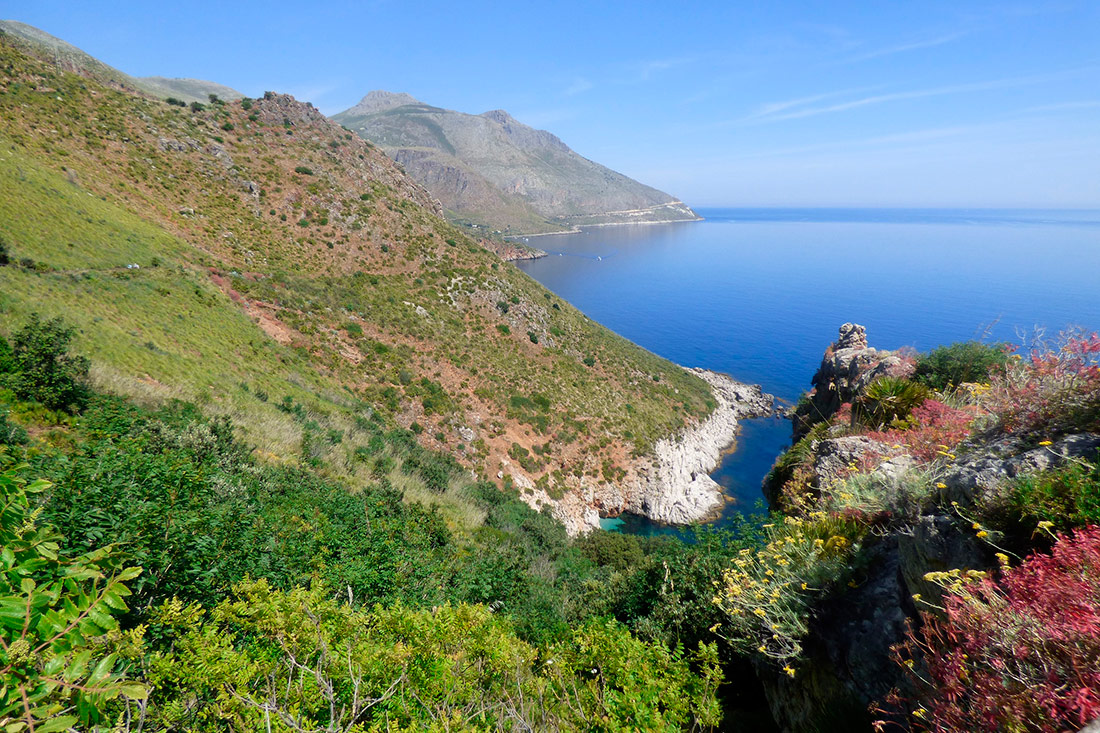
{"x":70,"y":58}
{"x":258,"y":259}
{"x":493,"y":171}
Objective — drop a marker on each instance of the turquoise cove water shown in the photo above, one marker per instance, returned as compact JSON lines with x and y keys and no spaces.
{"x":760,"y":293}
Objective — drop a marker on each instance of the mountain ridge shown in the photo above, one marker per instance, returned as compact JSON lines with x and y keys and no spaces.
{"x":491,"y":170}
{"x":71,"y":58}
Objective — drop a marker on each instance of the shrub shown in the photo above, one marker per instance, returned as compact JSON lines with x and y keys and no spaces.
{"x":1021,"y":654}
{"x":5,"y":256}
{"x":7,"y":358}
{"x":503,"y":328}
{"x":952,"y":365}
{"x":590,"y":361}
{"x":304,"y":170}
{"x":56,"y":672}
{"x":353,"y":329}
{"x":45,"y":372}
{"x":1067,"y":497}
{"x":767,"y":596}
{"x":1054,"y":388}
{"x":228,"y":126}
{"x":11,"y":434}
{"x":534,"y":337}
{"x":887,"y":400}
{"x":246,"y":103}
{"x":933,"y":429}
{"x":450,"y":668}
{"x":197,"y":106}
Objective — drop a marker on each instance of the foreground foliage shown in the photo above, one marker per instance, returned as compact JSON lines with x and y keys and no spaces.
{"x":1019,"y":654}
{"x":300,"y":660}
{"x":57,"y":614}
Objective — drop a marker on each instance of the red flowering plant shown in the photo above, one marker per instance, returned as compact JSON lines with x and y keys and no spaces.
{"x":1051,"y":387}
{"x":935,"y":428}
{"x":1022,"y":654}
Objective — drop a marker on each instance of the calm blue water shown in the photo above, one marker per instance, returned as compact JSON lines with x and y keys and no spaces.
{"x":760,"y":293}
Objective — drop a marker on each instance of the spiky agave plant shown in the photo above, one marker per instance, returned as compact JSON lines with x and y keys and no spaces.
{"x":887,"y":400}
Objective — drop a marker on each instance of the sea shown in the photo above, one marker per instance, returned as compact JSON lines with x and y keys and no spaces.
{"x":760,"y":293}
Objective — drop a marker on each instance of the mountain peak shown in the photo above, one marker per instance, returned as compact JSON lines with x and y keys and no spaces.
{"x":499,"y":115}
{"x":380,"y":100}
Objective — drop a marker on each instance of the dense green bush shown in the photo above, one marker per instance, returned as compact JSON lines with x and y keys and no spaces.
{"x":1067,"y":497}
{"x":456,"y":668}
{"x":966,"y":361}
{"x":44,"y":371}
{"x":5,"y":255}
{"x":10,"y":434}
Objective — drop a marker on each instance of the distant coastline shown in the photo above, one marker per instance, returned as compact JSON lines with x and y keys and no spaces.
{"x":577,"y":229}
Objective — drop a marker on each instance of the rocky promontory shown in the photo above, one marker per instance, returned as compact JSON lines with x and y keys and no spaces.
{"x":673,"y":485}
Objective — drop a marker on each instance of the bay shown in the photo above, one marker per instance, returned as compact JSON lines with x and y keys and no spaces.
{"x":760,"y":293}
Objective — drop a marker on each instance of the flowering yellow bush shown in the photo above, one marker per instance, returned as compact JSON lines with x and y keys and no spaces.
{"x":767,"y":594}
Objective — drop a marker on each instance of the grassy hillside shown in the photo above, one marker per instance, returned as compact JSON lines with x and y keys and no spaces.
{"x":290,"y":275}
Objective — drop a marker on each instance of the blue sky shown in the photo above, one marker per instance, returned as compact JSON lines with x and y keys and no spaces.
{"x":885,"y":103}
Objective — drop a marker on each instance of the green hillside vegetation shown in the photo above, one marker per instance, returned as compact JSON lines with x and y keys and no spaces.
{"x":262,"y":262}
{"x":225,"y":570}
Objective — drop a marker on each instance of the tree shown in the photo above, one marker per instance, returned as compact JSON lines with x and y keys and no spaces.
{"x":45,"y":371}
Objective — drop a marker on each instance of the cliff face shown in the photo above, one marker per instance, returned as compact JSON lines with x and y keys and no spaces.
{"x":492,"y":170}
{"x":673,"y":485}
{"x":921,"y":525}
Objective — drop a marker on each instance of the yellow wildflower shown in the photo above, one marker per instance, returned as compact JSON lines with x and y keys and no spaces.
{"x":1045,"y":442}
{"x":941,"y":485}
{"x":789,"y":670}
{"x":982,"y":535}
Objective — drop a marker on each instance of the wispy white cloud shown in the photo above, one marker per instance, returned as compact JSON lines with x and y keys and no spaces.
{"x":579,"y":86}
{"x":903,"y":48}
{"x":789,"y":111}
{"x":1066,"y":106}
{"x":643,"y":71}
{"x":773,"y":108}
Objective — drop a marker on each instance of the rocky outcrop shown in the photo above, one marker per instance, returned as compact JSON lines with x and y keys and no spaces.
{"x":848,"y":366}
{"x":674,"y":485}
{"x":985,"y":465}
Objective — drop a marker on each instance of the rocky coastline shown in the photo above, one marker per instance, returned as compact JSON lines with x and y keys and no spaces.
{"x":674,"y":485}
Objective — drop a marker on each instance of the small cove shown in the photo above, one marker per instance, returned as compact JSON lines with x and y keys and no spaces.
{"x":759,"y":294}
